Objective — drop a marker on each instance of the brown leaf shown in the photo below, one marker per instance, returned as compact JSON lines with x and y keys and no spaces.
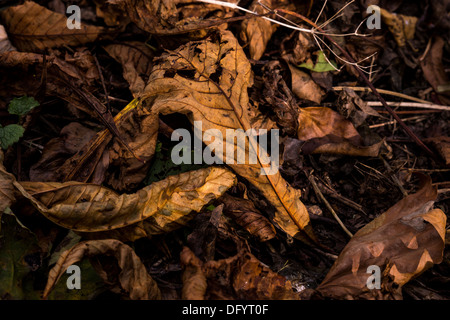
{"x":106,"y":160}
{"x":404,"y":241}
{"x":256,"y":31}
{"x":442,"y":145}
{"x":133,"y":278}
{"x":136,"y":60}
{"x":304,"y":86}
{"x":165,"y":205}
{"x":72,"y":138}
{"x":194,"y":280}
{"x":245,"y":214}
{"x":173,"y":17}
{"x":433,"y":68}
{"x":326,"y":131}
{"x":34,"y":28}
{"x":223,"y":105}
{"x":244,"y":277}
{"x":6,"y":187}
{"x":402,"y":27}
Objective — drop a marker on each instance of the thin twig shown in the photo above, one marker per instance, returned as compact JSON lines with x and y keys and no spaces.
{"x":409,"y":105}
{"x":382,"y":91}
{"x":320,"y":195}
{"x":393,"y":176}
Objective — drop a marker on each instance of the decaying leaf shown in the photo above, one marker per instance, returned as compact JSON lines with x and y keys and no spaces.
{"x":433,"y":69}
{"x":239,"y":277}
{"x":326,"y":131}
{"x":194,"y":280}
{"x":136,"y":60}
{"x":32,"y":28}
{"x":207,"y":81}
{"x":256,"y":31}
{"x":442,"y":145}
{"x":72,"y":138}
{"x":402,"y":27}
{"x":6,"y":187}
{"x":403,"y":242}
{"x":245,"y":214}
{"x":133,"y":278}
{"x":164,"y":205}
{"x":304,"y":86}
{"x":174,"y":17}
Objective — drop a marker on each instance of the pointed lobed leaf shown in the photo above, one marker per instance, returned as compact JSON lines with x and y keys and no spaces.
{"x":182,"y":82}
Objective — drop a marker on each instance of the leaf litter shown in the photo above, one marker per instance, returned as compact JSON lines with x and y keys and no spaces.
{"x":87,"y":175}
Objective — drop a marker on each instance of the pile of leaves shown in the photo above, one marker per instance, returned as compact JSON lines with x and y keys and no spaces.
{"x":87,"y":130}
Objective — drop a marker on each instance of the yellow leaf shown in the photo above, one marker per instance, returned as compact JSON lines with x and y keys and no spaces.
{"x":183,"y":82}
{"x":164,"y":205}
{"x":32,"y":28}
{"x":133,"y":278}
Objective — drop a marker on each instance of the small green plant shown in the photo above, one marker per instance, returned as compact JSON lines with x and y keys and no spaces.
{"x":12,"y":133}
{"x":322,"y":65}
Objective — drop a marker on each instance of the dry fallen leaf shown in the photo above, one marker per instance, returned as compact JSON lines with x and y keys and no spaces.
{"x":133,"y":278}
{"x":136,"y":60}
{"x":194,"y":280}
{"x":403,"y":242}
{"x":245,"y":214}
{"x":402,"y":27}
{"x":256,"y":31}
{"x":183,"y":82}
{"x":6,"y":187}
{"x":34,"y":28}
{"x":165,"y":205}
{"x":304,"y":86}
{"x":326,"y":131}
{"x":433,"y":69}
{"x":241,"y":277}
{"x":174,"y":17}
{"x":72,"y":138}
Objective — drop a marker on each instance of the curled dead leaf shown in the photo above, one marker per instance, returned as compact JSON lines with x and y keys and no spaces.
{"x":403,"y":242}
{"x":304,"y":86}
{"x":194,"y":280}
{"x":402,"y":27}
{"x":244,"y":213}
{"x":326,"y":131}
{"x":241,"y":276}
{"x":6,"y":187}
{"x":257,"y":32}
{"x":32,"y":28}
{"x":136,"y":60}
{"x":133,"y":278}
{"x":164,"y":205}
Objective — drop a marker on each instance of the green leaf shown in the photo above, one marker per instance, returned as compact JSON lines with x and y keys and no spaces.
{"x":10,"y":135}
{"x":322,"y":65}
{"x":21,"y":106}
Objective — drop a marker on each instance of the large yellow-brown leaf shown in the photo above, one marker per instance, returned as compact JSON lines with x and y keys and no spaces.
{"x":403,"y":242}
{"x":32,"y":28}
{"x":164,"y":205}
{"x":133,"y":278}
{"x":182,"y":82}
